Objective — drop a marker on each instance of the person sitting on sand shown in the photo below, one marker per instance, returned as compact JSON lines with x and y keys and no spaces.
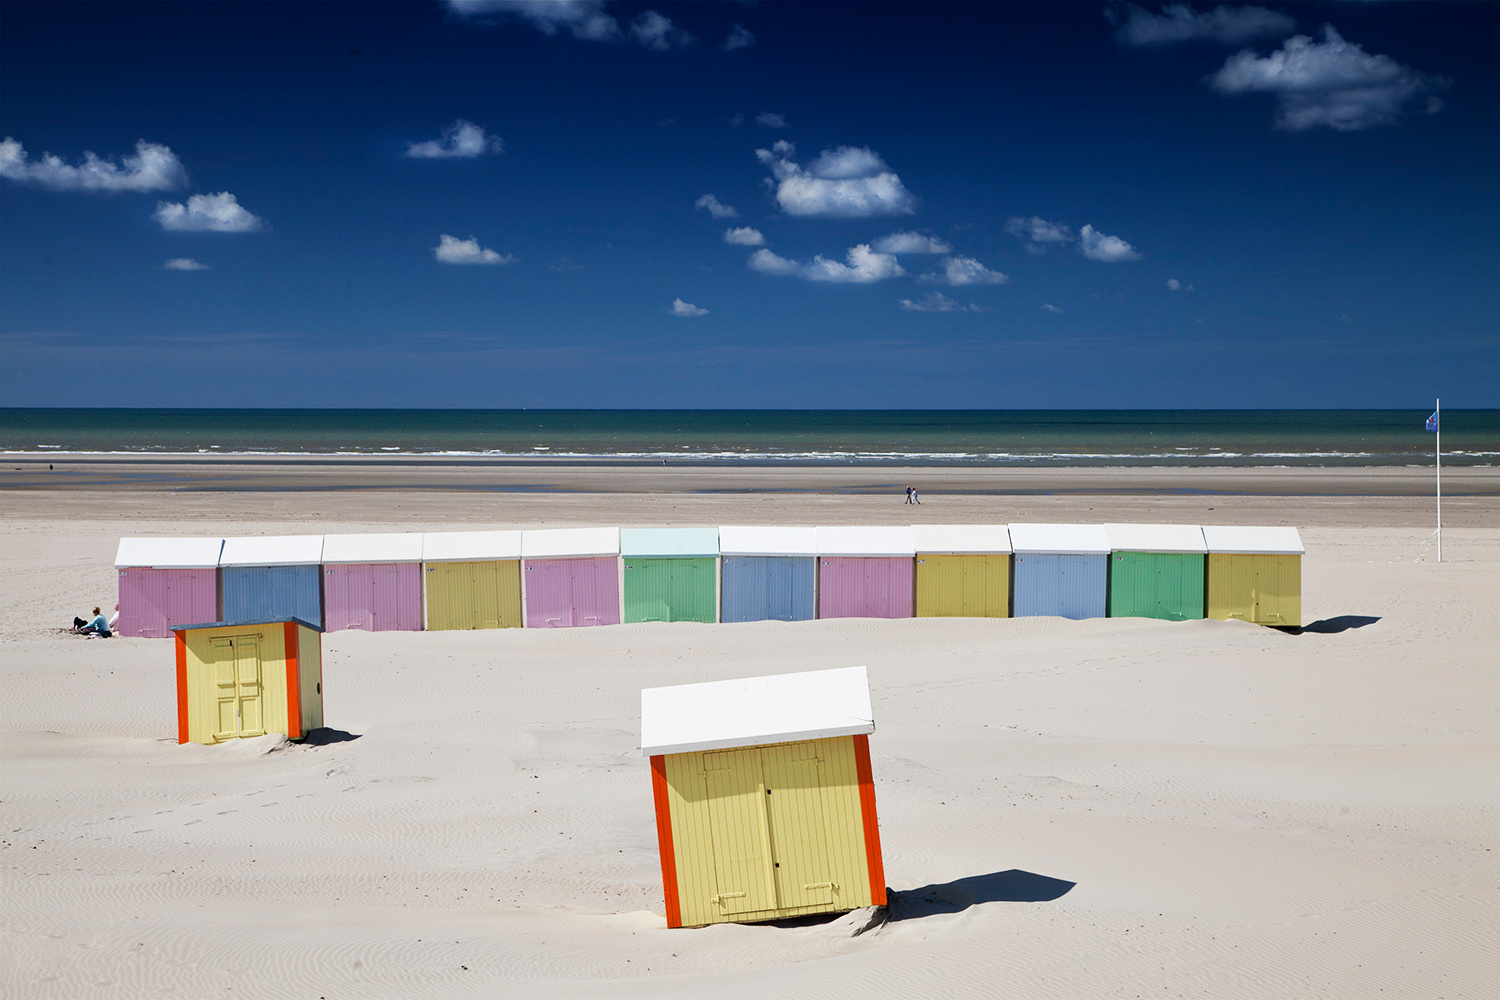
{"x":98,"y":626}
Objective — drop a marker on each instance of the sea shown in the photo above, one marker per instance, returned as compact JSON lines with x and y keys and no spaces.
{"x":1189,"y":438}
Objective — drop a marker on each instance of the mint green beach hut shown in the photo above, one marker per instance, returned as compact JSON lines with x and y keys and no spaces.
{"x":670,"y":574}
{"x":1156,"y":571}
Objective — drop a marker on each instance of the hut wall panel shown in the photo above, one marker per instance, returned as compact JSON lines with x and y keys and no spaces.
{"x":270,"y":593}
{"x":378,"y":597}
{"x":1261,"y":588}
{"x":669,"y":590}
{"x":470,"y":595}
{"x":1068,"y":586}
{"x":966,"y":586}
{"x":865,"y":587}
{"x":561,"y":593}
{"x":769,"y":588}
{"x":153,"y":601}
{"x":310,"y":677}
{"x":1156,"y":585}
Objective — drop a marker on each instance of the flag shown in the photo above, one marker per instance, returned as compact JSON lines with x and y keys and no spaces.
{"x":1432,"y":422}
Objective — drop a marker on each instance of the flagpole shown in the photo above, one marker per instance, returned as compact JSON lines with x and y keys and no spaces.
{"x":1437,"y":461}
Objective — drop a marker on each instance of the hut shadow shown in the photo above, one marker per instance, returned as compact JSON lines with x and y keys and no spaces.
{"x":1329,"y":626}
{"x":1013,"y":886}
{"x":326,"y":737}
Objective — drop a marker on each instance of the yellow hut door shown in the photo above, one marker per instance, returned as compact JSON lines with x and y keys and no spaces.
{"x":799,"y":831}
{"x":238,"y":687}
{"x":743,"y":880}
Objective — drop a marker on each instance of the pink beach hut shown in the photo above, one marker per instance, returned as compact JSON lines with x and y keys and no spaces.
{"x":571,"y":576}
{"x":166,"y":583}
{"x":865,"y":572}
{"x":373,"y":582}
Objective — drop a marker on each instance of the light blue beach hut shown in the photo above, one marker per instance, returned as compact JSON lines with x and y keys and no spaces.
{"x":1060,"y":569}
{"x":769,"y":573}
{"x":272,"y":578}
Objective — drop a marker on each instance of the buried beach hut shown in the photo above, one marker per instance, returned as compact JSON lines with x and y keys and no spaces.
{"x":238,"y":679}
{"x":1155,"y":571}
{"x":768,"y":573}
{"x":373,"y":582}
{"x":1060,"y":569}
{"x":570,"y":576}
{"x":963,"y":570}
{"x":473,"y":579}
{"x":166,"y":582}
{"x":669,"y":574}
{"x":272,"y":578}
{"x":1254,"y":574}
{"x":865,"y":572}
{"x":765,"y":803}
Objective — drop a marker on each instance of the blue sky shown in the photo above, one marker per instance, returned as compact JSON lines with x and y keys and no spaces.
{"x":993,"y":205}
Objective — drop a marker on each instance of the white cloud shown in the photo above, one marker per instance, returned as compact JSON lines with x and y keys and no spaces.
{"x":184,"y":264}
{"x":461,"y":140}
{"x":716,"y":208}
{"x":966,"y":271}
{"x":1107,"y":249}
{"x":686,"y":309}
{"x":767,"y":262}
{"x":154,"y":167}
{"x":1049,"y":307}
{"x":740,"y":37}
{"x":656,"y":31}
{"x":770,"y":120}
{"x":848,"y":182}
{"x":1179,"y":22}
{"x":861,"y":265}
{"x":937,"y":302}
{"x":744,"y":236}
{"x":452,"y":250}
{"x":1178,"y":286}
{"x":911,"y":243}
{"x":1332,"y":83}
{"x":210,"y":213}
{"x":583,"y":19}
{"x":1039,"y":234}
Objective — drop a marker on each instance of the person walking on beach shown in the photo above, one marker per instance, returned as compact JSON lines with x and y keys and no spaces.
{"x":908,"y":494}
{"x":913,"y":491}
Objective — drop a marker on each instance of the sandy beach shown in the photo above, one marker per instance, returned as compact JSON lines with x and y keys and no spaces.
{"x":1105,"y":808}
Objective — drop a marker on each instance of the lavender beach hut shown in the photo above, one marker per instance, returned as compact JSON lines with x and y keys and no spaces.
{"x":1060,"y":569}
{"x":865,"y":572}
{"x":166,"y":582}
{"x":571,"y":577}
{"x":373,"y":582}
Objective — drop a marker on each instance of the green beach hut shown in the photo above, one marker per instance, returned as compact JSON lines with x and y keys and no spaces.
{"x":670,"y":574}
{"x":1156,"y":571}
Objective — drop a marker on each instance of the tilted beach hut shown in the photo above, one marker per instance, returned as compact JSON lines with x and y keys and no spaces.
{"x":768,"y":573}
{"x":1254,"y":574}
{"x":238,"y":679}
{"x":1060,"y":569}
{"x":373,"y":582}
{"x":165,"y":582}
{"x":272,"y":578}
{"x":473,"y":579}
{"x":765,"y":802}
{"x":571,"y":576}
{"x":1156,"y":571}
{"x":963,"y":570}
{"x":669,"y":574}
{"x":865,"y":572}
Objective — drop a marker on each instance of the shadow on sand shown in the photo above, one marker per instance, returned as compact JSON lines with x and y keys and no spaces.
{"x":1014,"y":886}
{"x":1329,"y":626}
{"x":326,"y":737}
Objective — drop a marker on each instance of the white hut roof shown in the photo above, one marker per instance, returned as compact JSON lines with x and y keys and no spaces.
{"x":659,"y":542}
{"x":767,"y":540}
{"x":865,"y":541}
{"x":1059,"y":539}
{"x":756,"y":710}
{"x":470,"y":546}
{"x":556,"y":543}
{"x":1253,"y":541}
{"x":1168,"y":538}
{"x":961,"y":539}
{"x":273,"y":550}
{"x":387,"y":547}
{"x":169,"y":553}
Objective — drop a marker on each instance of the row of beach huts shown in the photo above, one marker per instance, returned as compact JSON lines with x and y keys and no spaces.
{"x":561,"y":577}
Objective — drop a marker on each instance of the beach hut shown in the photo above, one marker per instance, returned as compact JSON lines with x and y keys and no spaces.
{"x":373,"y":582}
{"x":272,"y":578}
{"x":669,"y":574}
{"x":473,"y":579}
{"x":1254,"y":574}
{"x":1060,"y":569}
{"x":765,"y":804}
{"x":570,"y":576}
{"x":165,"y":582}
{"x":768,"y":573}
{"x":865,"y":572}
{"x":238,"y":679}
{"x":963,"y":570}
{"x":1155,"y":571}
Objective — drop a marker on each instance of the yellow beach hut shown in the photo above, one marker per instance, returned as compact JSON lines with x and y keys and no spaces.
{"x":963,"y":570}
{"x":765,"y":803}
{"x":1254,"y":574}
{"x":249,"y":678}
{"x":473,"y":579}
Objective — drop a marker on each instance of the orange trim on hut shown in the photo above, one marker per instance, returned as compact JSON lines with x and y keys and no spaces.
{"x":664,"y":840}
